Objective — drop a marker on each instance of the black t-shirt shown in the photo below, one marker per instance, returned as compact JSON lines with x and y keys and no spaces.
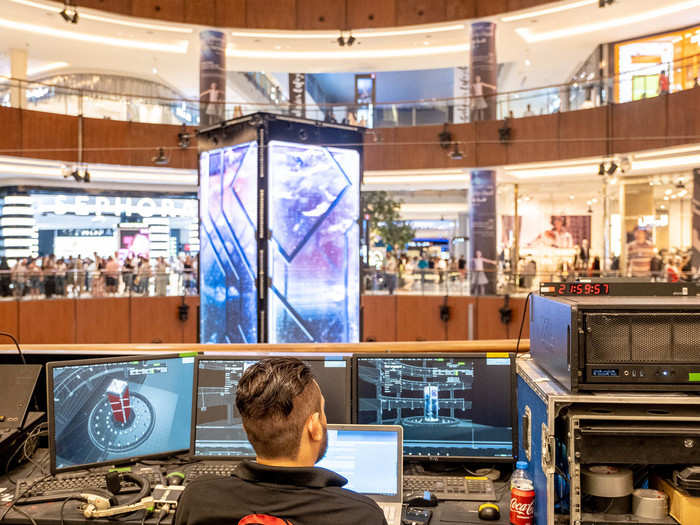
{"x":276,"y":496}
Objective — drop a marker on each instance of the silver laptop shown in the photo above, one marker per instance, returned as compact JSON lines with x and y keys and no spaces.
{"x":370,"y":457}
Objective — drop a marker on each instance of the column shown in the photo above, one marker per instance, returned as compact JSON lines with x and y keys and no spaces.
{"x":212,"y":77}
{"x":460,"y":111}
{"x":482,"y":232}
{"x":17,"y":227}
{"x":483,"y":72}
{"x":18,"y":70}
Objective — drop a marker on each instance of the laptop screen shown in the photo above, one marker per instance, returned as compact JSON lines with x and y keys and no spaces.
{"x":368,"y":459}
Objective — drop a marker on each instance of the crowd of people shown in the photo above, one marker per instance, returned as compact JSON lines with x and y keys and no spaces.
{"x":96,"y":276}
{"x":408,"y":273}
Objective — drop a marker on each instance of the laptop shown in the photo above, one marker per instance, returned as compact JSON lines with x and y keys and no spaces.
{"x":370,"y":457}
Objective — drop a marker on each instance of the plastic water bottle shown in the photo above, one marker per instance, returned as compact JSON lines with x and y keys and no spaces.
{"x":522,"y":496}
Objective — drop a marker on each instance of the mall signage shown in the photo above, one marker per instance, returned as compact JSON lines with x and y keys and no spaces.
{"x":90,"y":205}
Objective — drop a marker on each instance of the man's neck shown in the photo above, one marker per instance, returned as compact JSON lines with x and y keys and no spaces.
{"x":283,"y":462}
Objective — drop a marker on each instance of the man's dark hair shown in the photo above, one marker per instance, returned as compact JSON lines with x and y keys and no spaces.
{"x":275,"y":397}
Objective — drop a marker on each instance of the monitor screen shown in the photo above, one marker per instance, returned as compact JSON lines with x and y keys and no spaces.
{"x":116,"y":410}
{"x":368,"y":459}
{"x":457,"y":406}
{"x":219,"y":431}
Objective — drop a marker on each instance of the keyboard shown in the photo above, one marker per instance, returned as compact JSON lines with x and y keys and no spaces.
{"x":210,"y":470}
{"x":457,"y":488}
{"x":59,"y":487}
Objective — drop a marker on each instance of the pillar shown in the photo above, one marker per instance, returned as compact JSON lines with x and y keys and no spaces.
{"x":18,"y":71}
{"x":212,"y":77}
{"x":483,"y":72}
{"x":482,"y":231}
{"x":695,"y":203}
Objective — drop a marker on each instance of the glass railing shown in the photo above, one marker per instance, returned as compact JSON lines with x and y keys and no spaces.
{"x":28,"y":284}
{"x":547,"y":100}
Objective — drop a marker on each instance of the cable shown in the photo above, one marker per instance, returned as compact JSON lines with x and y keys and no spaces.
{"x":25,"y":514}
{"x":522,"y":323}
{"x":63,"y":506}
{"x":19,"y":350}
{"x":18,"y":496}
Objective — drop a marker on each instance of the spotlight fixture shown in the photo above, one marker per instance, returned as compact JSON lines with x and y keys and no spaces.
{"x":603,"y":3}
{"x":613,"y":168}
{"x":160,"y":158}
{"x":351,"y":40}
{"x":341,"y":40}
{"x":69,"y":12}
{"x":504,"y":133}
{"x":183,"y":138}
{"x":601,"y":169}
{"x":456,"y":154}
{"x":76,"y":175}
{"x":445,"y":137}
{"x":86,"y":175}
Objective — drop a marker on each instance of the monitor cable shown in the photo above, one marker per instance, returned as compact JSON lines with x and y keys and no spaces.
{"x":19,"y":350}
{"x":522,"y":323}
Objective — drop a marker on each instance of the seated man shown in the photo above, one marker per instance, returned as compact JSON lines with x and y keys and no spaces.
{"x":282,"y":409}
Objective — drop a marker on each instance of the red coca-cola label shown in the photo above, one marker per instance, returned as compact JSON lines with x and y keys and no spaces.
{"x":522,"y":507}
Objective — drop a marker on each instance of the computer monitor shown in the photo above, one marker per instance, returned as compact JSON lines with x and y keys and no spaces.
{"x":117,"y":410}
{"x":218,"y":431}
{"x":368,"y":456}
{"x":453,"y":406}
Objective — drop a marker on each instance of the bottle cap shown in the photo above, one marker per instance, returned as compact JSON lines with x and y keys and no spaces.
{"x":521,"y":464}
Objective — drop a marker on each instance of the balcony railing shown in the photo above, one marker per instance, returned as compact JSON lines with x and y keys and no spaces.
{"x":546,"y":100}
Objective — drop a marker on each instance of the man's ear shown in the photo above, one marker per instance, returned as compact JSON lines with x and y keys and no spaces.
{"x":315,"y":427}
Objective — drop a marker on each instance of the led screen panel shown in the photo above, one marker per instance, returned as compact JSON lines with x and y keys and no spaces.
{"x":313,"y":252}
{"x":228,"y":265}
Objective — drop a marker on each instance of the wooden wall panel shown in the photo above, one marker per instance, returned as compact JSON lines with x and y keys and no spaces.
{"x":419,"y":148}
{"x":106,"y":141}
{"x":230,"y":13}
{"x":683,"y":120}
{"x":488,"y":319}
{"x":102,"y":320}
{"x":9,"y":321}
{"x":458,"y":325}
{"x":155,"y":320}
{"x":516,"y":5}
{"x":489,"y":151}
{"x":380,"y":151}
{"x":466,"y":135}
{"x":49,"y":136}
{"x":416,"y":12}
{"x":271,"y":14}
{"x":201,"y":12}
{"x":460,"y":9}
{"x":490,"y":7}
{"x":50,"y":321}
{"x":371,"y":13}
{"x":321,"y":14}
{"x":378,"y":317}
{"x":11,"y":126}
{"x":518,"y":305}
{"x":170,"y":10}
{"x":191,"y":325}
{"x":145,"y":139}
{"x":534,"y":138}
{"x":418,"y":318}
{"x":580,"y":133}
{"x":639,"y":125}
{"x":122,"y":7}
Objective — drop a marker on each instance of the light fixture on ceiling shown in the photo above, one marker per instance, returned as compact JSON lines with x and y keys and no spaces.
{"x":603,"y":3}
{"x":160,"y":157}
{"x":46,"y":68}
{"x":612,"y":168}
{"x":341,"y":40}
{"x":69,"y":12}
{"x":349,"y":41}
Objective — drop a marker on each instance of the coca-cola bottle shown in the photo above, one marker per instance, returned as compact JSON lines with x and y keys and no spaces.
{"x":522,"y":496}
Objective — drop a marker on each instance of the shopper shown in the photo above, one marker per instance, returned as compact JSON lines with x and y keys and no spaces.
{"x":112,"y":275}
{"x":19,"y":278}
{"x":34,"y":272}
{"x":639,"y":254}
{"x":188,"y":275}
{"x":390,"y":269}
{"x":664,"y":83}
{"x":529,"y":112}
{"x":48,"y":271}
{"x":480,"y":280}
{"x":161,"y":277}
{"x":144,"y":275}
{"x":128,"y":274}
{"x":60,"y":277}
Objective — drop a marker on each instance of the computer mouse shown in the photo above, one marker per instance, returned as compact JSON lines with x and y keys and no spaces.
{"x":421,"y":499}
{"x":489,"y":512}
{"x":175,"y":478}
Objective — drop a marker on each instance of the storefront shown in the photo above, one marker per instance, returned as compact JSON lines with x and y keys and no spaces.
{"x":42,"y":222}
{"x":639,"y":63}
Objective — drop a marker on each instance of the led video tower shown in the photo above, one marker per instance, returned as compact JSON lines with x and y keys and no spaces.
{"x":279,"y":236}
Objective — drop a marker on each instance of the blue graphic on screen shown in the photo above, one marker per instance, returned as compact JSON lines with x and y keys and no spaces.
{"x":314,"y":249}
{"x":110,"y":411}
{"x":228,"y":246}
{"x":368,"y":460}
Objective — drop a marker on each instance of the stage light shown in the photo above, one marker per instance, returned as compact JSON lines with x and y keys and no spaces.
{"x":341,"y":41}
{"x":601,"y":169}
{"x":351,"y":40}
{"x":69,"y":13}
{"x":456,"y":154}
{"x":183,"y":138}
{"x":86,"y":175}
{"x":613,"y":168}
{"x":160,"y":158}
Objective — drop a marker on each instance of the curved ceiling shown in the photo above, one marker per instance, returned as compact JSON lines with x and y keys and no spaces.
{"x":544,"y":44}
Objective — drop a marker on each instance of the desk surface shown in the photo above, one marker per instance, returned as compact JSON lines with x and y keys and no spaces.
{"x":446,"y":513}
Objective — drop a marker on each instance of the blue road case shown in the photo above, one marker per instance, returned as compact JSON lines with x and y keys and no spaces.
{"x":549,"y":425}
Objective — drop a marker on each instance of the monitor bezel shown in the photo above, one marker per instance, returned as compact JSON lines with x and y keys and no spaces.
{"x":450,"y":355}
{"x":51,"y":409}
{"x":248,"y":357}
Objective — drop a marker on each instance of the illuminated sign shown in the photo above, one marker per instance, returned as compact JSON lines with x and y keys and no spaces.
{"x":89,"y":205}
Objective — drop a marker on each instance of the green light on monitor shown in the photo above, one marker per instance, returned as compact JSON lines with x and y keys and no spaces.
{"x":694,"y":376}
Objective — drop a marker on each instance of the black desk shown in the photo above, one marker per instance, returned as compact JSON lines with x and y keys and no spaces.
{"x":446,"y":513}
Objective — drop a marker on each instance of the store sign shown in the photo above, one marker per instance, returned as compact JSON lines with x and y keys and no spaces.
{"x":90,"y":205}
{"x":652,"y":221}
{"x":297,"y":94}
{"x":85,"y":232}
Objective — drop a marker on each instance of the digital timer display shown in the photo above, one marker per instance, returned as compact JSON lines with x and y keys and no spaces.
{"x":582,"y":289}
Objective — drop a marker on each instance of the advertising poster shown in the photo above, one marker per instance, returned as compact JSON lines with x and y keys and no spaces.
{"x":483,"y":71}
{"x":212,"y":77}
{"x":696,"y":218}
{"x":482,"y":225}
{"x":297,"y":94}
{"x":461,"y":95}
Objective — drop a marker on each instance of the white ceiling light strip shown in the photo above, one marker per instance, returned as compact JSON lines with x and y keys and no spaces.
{"x":671,"y":151}
{"x":180,"y":47}
{"x":107,"y":20}
{"x":46,"y":68}
{"x":344,"y":53}
{"x":614,"y":23}
{"x":312,"y":35}
{"x":548,"y":11}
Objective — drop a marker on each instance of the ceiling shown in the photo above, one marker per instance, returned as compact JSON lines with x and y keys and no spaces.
{"x":542,"y":49}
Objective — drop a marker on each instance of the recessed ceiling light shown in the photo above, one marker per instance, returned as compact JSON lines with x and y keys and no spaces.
{"x":311,"y":35}
{"x":347,"y":53}
{"x":426,"y":43}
